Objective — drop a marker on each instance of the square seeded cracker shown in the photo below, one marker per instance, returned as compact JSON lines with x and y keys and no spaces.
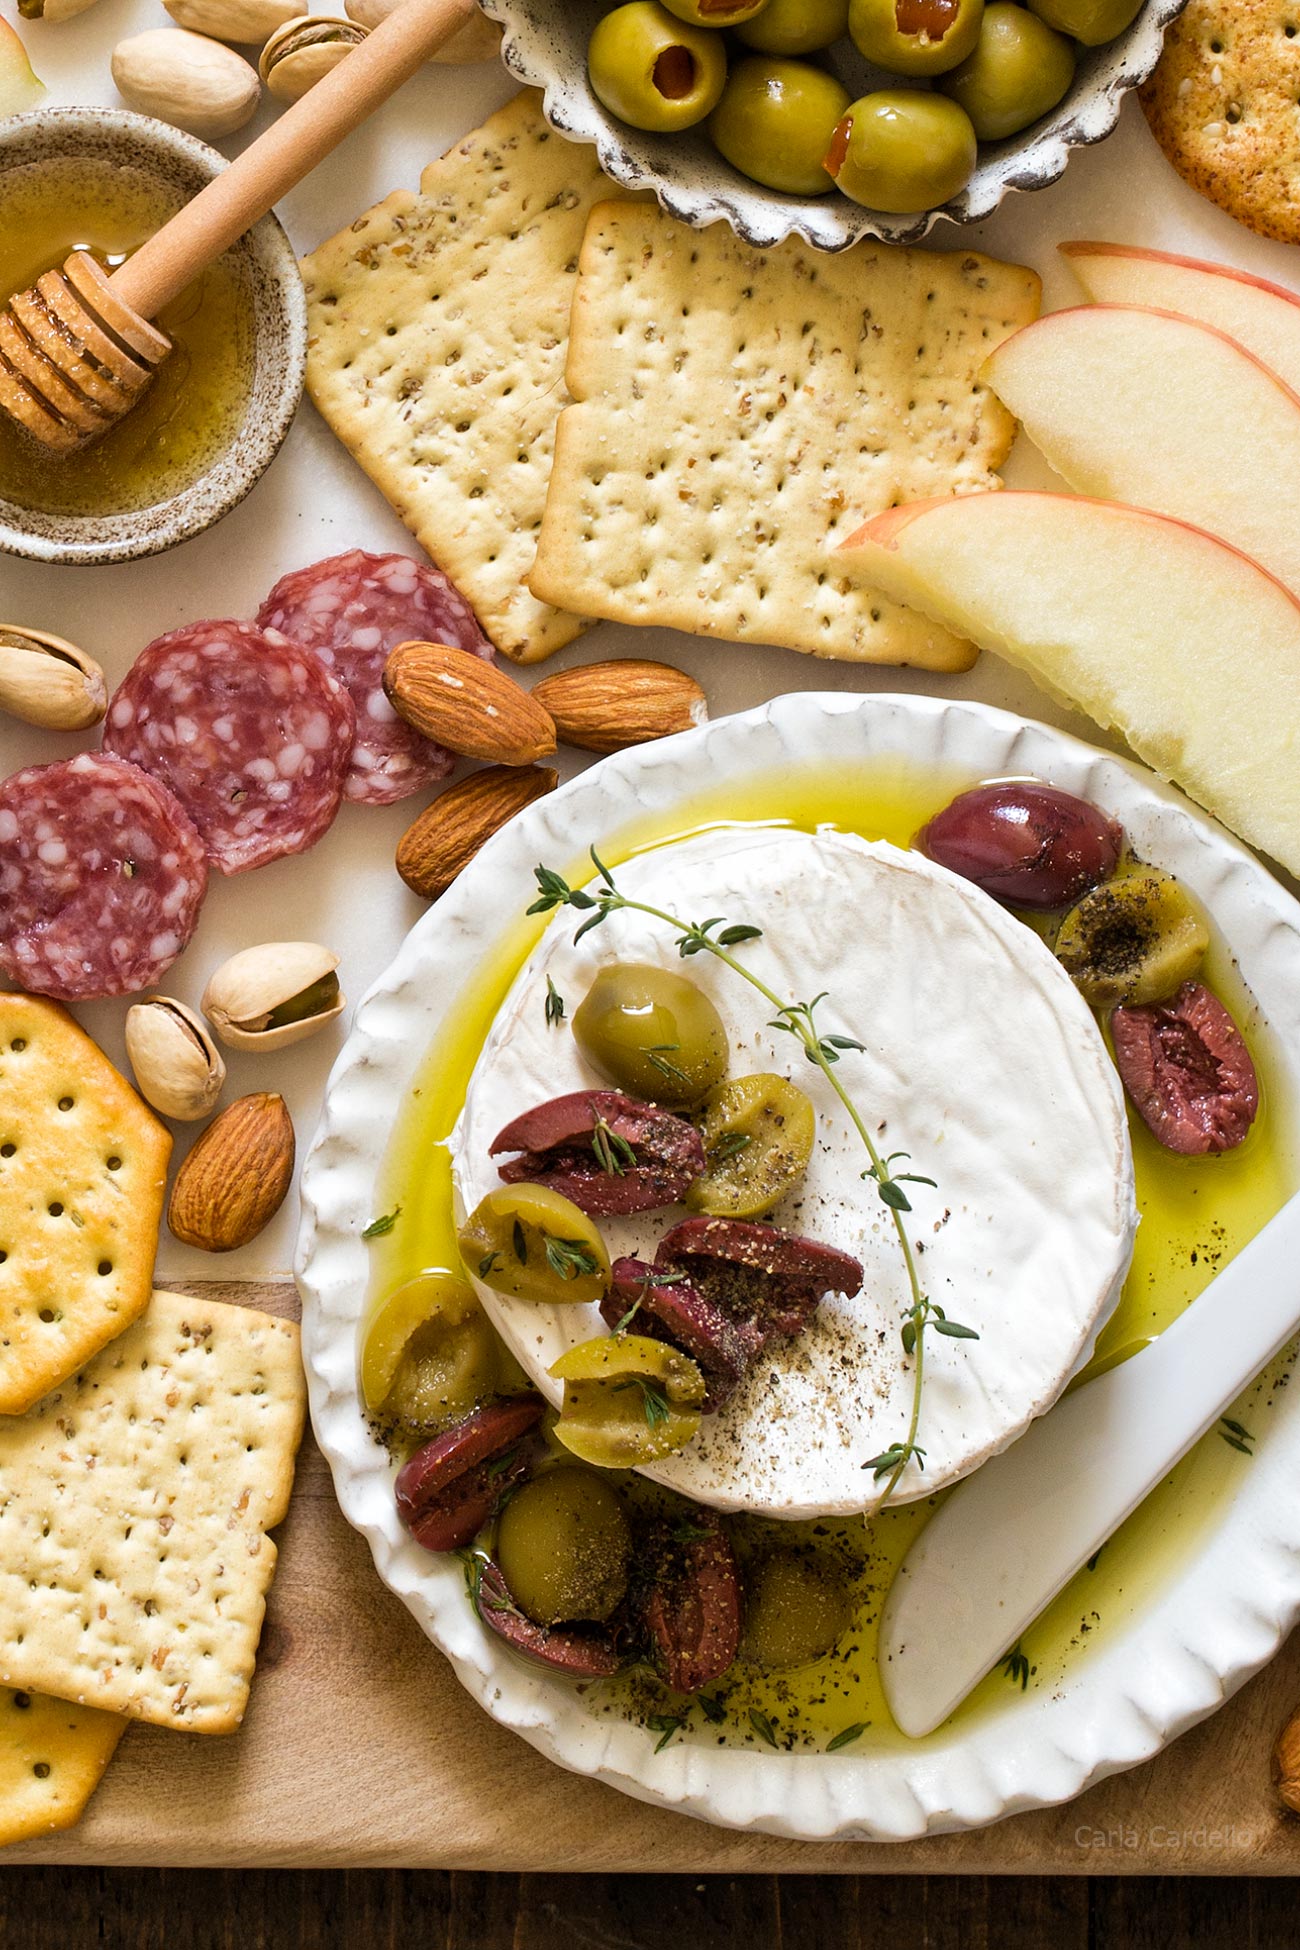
{"x":83,"y":1171}
{"x":738,"y":411}
{"x":134,"y":1506}
{"x":437,"y":331}
{"x":52,"y":1757}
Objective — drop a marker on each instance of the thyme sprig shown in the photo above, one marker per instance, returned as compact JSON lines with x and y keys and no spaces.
{"x":613,"y":1153}
{"x":824,"y":1049}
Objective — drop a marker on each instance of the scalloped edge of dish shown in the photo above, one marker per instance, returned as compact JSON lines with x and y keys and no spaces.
{"x":1218,"y":1620}
{"x":706,"y":190}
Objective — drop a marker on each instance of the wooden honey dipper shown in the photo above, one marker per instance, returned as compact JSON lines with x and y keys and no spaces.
{"x":77,"y":350}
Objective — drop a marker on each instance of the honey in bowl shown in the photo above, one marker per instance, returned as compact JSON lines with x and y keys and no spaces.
{"x":196,"y":403}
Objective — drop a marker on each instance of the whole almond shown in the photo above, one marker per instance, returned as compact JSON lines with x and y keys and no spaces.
{"x":234,"y":1180}
{"x":469,"y":706}
{"x":605,"y":707}
{"x":447,"y":834}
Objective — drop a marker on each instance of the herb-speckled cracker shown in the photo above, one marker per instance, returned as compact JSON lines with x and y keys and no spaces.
{"x":1222,"y":104}
{"x":134,"y":1506}
{"x":438,"y":325}
{"x":83,"y":1168}
{"x":739,"y":411}
{"x":52,"y":1755}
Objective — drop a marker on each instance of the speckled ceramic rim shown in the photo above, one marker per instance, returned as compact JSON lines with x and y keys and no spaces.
{"x":1219,"y":1614}
{"x":546,"y":46}
{"x":280,"y":341}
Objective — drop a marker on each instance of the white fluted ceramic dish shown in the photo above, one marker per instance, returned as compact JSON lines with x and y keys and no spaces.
{"x":1214,"y":1620}
{"x":546,"y":46}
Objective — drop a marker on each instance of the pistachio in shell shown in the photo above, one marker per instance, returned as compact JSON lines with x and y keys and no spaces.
{"x":178,"y":1068}
{"x":304,"y":50}
{"x":47,"y":681}
{"x":52,"y":10}
{"x":274,"y":994}
{"x":194,"y":83}
{"x":251,"y":23}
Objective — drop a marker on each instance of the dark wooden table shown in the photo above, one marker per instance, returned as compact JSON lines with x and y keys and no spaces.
{"x":122,"y":1909}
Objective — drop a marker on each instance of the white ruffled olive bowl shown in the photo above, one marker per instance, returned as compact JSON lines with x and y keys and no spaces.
{"x":546,"y":46}
{"x":1205,"y":1621}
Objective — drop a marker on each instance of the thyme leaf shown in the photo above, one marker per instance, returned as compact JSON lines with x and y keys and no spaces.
{"x":570,"y":1258}
{"x":846,"y":1736}
{"x":614,"y":1154}
{"x":554,"y":1004}
{"x":1016,"y":1667}
{"x":1236,"y":1437}
{"x":762,"y":1726}
{"x":383,"y":1224}
{"x":666,"y":1725}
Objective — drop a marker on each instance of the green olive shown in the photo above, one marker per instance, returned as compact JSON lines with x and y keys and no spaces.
{"x":775,"y":122}
{"x":796,"y":1608}
{"x":529,"y":1242}
{"x":915,"y":37}
{"x":715,"y":13}
{"x":1093,"y":22}
{"x":796,"y":26}
{"x":758,"y":1137}
{"x":627,"y":1400}
{"x":564,"y":1547}
{"x":1020,"y":69}
{"x":429,"y":1356}
{"x":652,"y":71}
{"x":1134,"y":939}
{"x":903,"y":152}
{"x":652,"y":1033}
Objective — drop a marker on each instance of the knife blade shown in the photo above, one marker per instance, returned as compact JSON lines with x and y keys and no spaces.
{"x":1008,"y":1538}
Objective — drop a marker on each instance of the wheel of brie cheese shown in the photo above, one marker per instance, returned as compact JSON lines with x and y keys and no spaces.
{"x":980,"y":1061}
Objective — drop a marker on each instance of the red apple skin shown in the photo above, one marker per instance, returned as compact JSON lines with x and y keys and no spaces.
{"x":1084,"y":248}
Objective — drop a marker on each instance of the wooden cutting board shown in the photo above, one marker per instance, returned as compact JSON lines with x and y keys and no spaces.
{"x":361,"y":1749}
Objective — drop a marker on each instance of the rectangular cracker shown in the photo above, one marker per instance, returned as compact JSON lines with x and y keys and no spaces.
{"x":737,"y":411}
{"x":52,"y":1756}
{"x":134,"y":1506}
{"x":83,"y":1171}
{"x":437,"y":330}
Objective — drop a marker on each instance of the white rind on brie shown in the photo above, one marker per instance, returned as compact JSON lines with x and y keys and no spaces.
{"x":981,"y":1061}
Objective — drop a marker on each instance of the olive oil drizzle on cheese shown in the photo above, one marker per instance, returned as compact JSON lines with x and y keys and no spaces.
{"x":1196,"y":1214}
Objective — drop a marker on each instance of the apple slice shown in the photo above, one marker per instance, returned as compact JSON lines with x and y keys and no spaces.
{"x":1149,"y":408}
{"x":19,"y":87}
{"x":1154,"y":628}
{"x":1263,"y":317}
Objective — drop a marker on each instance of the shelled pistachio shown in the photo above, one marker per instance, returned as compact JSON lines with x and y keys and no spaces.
{"x":274,"y":994}
{"x":303,"y":52}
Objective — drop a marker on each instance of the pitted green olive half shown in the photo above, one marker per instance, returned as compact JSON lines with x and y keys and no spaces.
{"x":564,"y":1547}
{"x":1019,"y":70}
{"x":796,"y":26}
{"x":1134,"y":939}
{"x":796,"y":1608}
{"x":529,"y":1242}
{"x":902,"y":152}
{"x":429,"y":1355}
{"x":915,"y":37}
{"x":775,"y":122}
{"x":652,"y":1033}
{"x":716,"y":13}
{"x":627,"y":1400}
{"x":1091,"y":22}
{"x":758,"y":1137}
{"x":655,"y":72}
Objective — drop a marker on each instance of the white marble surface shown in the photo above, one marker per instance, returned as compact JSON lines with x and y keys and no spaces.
{"x":314,"y":501}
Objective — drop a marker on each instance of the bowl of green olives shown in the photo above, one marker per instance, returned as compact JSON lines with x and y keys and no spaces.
{"x":835,"y":120}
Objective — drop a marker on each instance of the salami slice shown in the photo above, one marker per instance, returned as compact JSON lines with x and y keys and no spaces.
{"x":249,"y":731}
{"x":102,"y":876}
{"x":351,"y":610}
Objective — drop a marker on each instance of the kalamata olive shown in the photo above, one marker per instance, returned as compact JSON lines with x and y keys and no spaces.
{"x":429,"y":1355}
{"x":1024,"y":843}
{"x":580,"y":1651}
{"x":449,"y":1489}
{"x":628,"y":1399}
{"x":652,"y":1300}
{"x":759,"y":1273}
{"x":758,"y":1136}
{"x":608,"y":1153}
{"x":1134,"y":940}
{"x":652,"y":1032}
{"x":1187,"y":1070}
{"x":563,"y":1547}
{"x":534,"y":1244}
{"x":796,"y":1607}
{"x":691,"y":1605}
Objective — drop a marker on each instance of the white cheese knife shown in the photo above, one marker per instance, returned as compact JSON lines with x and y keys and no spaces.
{"x":1013,"y":1534}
